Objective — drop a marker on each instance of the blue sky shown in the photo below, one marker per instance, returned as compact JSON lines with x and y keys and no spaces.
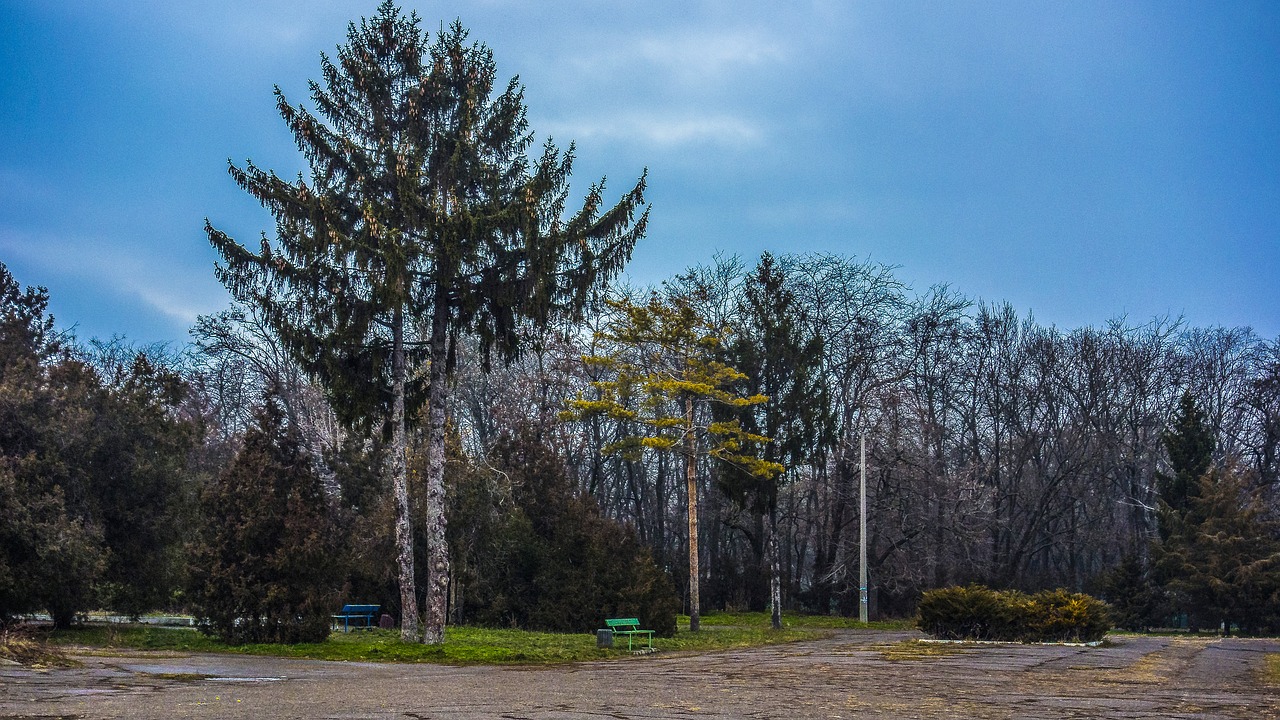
{"x":1082,"y":160}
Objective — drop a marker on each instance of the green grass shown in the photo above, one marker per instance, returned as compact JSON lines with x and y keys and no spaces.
{"x":463,"y":645}
{"x":1271,"y":668}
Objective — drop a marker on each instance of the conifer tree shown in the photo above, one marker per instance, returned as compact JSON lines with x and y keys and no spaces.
{"x":91,"y":467}
{"x":424,"y":219}
{"x":553,"y":561}
{"x":663,"y":377}
{"x":51,"y":548}
{"x":782,"y":363}
{"x":1222,"y":554}
{"x":1190,"y":446}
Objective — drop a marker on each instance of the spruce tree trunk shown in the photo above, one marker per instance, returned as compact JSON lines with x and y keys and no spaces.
{"x":400,"y":485}
{"x":775,"y":569}
{"x":437,"y":547}
{"x":691,"y":478}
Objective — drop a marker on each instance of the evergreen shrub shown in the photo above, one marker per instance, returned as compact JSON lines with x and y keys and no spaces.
{"x":549,"y":559}
{"x":263,"y":568}
{"x":975,"y":612}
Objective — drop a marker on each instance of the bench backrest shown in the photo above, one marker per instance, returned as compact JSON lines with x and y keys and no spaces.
{"x":632,"y":623}
{"x":359,"y":609}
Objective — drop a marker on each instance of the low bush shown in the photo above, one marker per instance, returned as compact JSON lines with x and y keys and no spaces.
{"x":17,"y":645}
{"x":1060,"y":616}
{"x":975,"y":612}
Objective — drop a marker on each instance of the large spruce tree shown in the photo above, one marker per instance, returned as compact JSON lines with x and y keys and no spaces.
{"x":1190,"y":445}
{"x":424,"y":218}
{"x":1221,"y":556}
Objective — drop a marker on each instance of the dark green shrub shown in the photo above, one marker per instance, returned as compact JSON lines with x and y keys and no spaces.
{"x":263,"y":569}
{"x":972,"y":612}
{"x":549,"y":560}
{"x":1136,"y":602}
{"x":975,"y":612}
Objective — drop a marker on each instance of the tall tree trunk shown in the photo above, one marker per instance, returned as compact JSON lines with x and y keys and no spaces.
{"x":691,"y":479}
{"x":775,"y":569}
{"x":437,"y":547}
{"x":660,"y":544}
{"x":400,"y":486}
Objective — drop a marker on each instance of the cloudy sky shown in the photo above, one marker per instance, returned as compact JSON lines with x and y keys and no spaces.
{"x":1081,"y":160}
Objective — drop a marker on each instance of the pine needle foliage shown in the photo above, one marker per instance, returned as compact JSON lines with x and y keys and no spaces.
{"x":552,"y":561}
{"x":1190,"y":445}
{"x":422,"y":200}
{"x":92,"y":462}
{"x":664,"y":361}
{"x":1221,"y":558}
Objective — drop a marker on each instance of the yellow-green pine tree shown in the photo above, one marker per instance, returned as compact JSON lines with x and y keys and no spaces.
{"x":662,"y":376}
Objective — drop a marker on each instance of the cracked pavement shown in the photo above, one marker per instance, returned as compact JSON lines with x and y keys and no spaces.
{"x":862,"y":674}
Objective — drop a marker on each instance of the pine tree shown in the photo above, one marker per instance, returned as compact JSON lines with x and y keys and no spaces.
{"x":51,"y":549}
{"x":91,"y":471}
{"x":554,"y":561}
{"x":1222,"y":554}
{"x":1190,"y":446}
{"x":424,"y":219}
{"x":139,"y":470}
{"x":663,"y":379}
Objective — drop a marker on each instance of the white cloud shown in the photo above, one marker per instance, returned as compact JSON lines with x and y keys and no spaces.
{"x":116,"y":268}
{"x":662,"y":130}
{"x":707,"y":56}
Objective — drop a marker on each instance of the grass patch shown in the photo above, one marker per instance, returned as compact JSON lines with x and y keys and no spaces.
{"x":908,"y":650}
{"x":796,"y":620}
{"x":1271,"y":668}
{"x":463,"y":645}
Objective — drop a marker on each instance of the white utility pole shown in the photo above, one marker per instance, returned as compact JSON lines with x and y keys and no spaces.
{"x":862,"y":535}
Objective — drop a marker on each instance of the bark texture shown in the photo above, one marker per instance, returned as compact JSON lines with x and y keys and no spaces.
{"x":400,"y":486}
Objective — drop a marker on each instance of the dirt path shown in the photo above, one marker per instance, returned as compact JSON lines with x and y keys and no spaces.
{"x":855,"y":674}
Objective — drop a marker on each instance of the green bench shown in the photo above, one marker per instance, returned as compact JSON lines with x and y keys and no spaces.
{"x":359,"y":616}
{"x":629,"y":627}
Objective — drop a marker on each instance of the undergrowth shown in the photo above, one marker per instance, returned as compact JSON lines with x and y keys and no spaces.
{"x":18,"y":645}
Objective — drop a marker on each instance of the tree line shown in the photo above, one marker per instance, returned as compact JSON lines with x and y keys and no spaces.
{"x":999,"y":450}
{"x":432,"y":360}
